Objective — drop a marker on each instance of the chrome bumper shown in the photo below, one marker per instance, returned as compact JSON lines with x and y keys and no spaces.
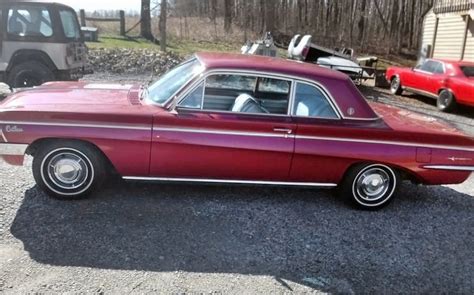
{"x":12,"y":149}
{"x":450,"y":167}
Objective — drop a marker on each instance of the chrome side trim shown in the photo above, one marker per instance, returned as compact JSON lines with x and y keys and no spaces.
{"x":420,"y":92}
{"x":399,"y":143}
{"x":131,"y":127}
{"x":219,"y":132}
{"x":450,"y":167}
{"x":10,"y":149}
{"x":228,"y":181}
{"x":263,"y":134}
{"x":2,"y":136}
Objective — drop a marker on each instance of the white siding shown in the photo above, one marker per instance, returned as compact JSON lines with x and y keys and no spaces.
{"x":449,"y":37}
{"x":469,"y":51}
{"x":429,"y":24}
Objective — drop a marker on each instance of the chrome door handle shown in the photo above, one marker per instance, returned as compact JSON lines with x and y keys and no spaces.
{"x":284,"y":130}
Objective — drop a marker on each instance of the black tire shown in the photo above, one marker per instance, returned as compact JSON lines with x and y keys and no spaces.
{"x":29,"y":74}
{"x":396,"y":86}
{"x":69,"y":170}
{"x":355,"y":189}
{"x":446,"y":101}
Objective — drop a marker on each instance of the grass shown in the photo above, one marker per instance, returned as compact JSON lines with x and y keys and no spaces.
{"x":182,"y":47}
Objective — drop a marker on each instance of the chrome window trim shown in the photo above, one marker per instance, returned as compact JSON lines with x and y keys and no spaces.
{"x":12,"y":149}
{"x":54,"y":124}
{"x":293,"y":78}
{"x":230,"y":181}
{"x":449,"y":167}
{"x":222,"y":132}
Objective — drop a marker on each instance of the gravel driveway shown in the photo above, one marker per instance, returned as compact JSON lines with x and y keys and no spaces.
{"x":142,"y":237}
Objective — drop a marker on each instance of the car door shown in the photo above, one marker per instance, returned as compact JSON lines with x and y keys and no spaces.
{"x":434,"y":80}
{"x":221,"y":130}
{"x":316,"y":116}
{"x":424,"y":76}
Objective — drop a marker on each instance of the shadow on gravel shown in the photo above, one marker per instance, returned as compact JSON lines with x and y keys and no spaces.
{"x":421,"y":243}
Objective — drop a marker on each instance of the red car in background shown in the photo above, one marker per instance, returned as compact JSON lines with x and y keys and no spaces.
{"x":223,"y":118}
{"x":449,"y":82}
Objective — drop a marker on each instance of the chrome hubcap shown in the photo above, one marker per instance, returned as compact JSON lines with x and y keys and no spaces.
{"x":373,"y":184}
{"x":395,"y":84}
{"x":67,"y":171}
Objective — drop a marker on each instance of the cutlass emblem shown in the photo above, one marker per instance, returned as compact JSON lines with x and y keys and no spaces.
{"x":13,"y":129}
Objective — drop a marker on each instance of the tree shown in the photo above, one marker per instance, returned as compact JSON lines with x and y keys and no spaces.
{"x":162,"y":25}
{"x":228,"y":16}
{"x":145,"y":24}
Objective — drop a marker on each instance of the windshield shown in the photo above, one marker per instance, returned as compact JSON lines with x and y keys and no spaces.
{"x":468,"y":71}
{"x":174,"y":80}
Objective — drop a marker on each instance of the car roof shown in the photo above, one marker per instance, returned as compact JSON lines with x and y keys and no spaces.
{"x":267,"y":64}
{"x":33,"y":2}
{"x":454,"y":62}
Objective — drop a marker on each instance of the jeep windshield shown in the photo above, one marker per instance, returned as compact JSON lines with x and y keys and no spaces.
{"x":170,"y":83}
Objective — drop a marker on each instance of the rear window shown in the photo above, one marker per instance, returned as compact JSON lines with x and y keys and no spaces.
{"x":70,"y":24}
{"x":468,"y":71}
{"x":29,"y":21}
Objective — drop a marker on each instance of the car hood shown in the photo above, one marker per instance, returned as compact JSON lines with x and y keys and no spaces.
{"x":67,"y":96}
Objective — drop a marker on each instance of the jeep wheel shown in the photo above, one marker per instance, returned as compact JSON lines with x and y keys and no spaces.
{"x":29,"y":74}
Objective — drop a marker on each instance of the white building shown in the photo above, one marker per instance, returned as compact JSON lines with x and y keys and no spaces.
{"x":448,"y":30}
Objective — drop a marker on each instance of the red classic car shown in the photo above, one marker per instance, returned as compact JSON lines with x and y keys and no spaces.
{"x":449,"y":82}
{"x":223,"y":118}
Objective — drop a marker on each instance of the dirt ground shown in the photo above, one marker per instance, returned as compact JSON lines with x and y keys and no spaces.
{"x":169,"y":238}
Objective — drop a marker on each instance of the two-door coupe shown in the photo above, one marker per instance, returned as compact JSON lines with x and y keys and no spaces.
{"x":223,"y":118}
{"x":449,"y":82}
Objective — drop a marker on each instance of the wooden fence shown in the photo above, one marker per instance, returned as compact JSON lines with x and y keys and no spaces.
{"x":120,"y":19}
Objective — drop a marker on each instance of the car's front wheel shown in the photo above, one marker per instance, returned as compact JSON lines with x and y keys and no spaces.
{"x":68,"y":170}
{"x":396,"y":86}
{"x":446,"y":101}
{"x":370,"y":186}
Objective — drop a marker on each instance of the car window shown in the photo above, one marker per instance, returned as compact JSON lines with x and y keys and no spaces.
{"x":468,"y":71}
{"x":312,"y":102}
{"x":194,"y":99}
{"x":429,"y":66}
{"x":70,"y":24}
{"x":28,"y":21}
{"x":439,"y":68}
{"x":237,"y":93}
{"x":273,"y":86}
{"x":237,"y":82}
{"x":174,"y":80}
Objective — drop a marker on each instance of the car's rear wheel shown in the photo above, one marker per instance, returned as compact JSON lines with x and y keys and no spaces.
{"x":29,"y":74}
{"x":446,"y":101}
{"x":369,"y":186}
{"x":396,"y":86}
{"x":68,"y":170}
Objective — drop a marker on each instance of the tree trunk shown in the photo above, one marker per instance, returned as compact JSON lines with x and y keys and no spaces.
{"x":163,"y":15}
{"x":228,"y":16}
{"x":145,"y":24}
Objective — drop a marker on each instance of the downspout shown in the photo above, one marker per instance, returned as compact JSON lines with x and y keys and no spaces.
{"x":466,"y":29}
